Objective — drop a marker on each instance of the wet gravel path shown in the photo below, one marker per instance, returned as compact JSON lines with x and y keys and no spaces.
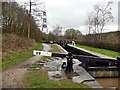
{"x":13,"y":77}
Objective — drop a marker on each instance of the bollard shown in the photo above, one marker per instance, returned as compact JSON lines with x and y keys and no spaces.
{"x":118,"y":58}
{"x":69,"y":67}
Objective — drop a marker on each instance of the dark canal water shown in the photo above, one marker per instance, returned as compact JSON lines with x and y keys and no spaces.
{"x":105,"y":82}
{"x":109,"y":82}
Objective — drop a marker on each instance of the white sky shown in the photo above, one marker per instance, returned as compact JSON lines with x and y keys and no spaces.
{"x":73,"y":13}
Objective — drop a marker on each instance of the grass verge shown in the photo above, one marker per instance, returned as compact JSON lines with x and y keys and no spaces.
{"x":39,"y":79}
{"x":19,"y":57}
{"x":106,"y":52}
{"x":56,"y":49}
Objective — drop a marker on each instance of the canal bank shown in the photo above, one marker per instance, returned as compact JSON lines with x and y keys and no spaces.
{"x":106,"y":82}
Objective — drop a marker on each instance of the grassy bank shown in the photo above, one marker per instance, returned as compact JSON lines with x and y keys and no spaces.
{"x":109,"y":53}
{"x":56,"y":49}
{"x":19,"y":57}
{"x":39,"y":79}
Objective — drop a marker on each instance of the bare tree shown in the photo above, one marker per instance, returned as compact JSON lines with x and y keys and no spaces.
{"x":34,"y":11}
{"x":89,"y":23}
{"x":57,"y":30}
{"x":16,"y":20}
{"x":99,"y":18}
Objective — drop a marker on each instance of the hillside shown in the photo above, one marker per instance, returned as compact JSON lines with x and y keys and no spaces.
{"x":13,"y":44}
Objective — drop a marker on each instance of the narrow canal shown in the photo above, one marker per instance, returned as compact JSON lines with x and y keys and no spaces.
{"x":105,"y":82}
{"x":109,"y":82}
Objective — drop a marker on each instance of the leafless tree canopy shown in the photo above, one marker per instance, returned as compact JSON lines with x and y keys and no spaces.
{"x":57,"y":30}
{"x":99,"y":18}
{"x":16,"y":20}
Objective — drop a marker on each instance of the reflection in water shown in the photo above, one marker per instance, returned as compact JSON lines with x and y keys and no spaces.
{"x":109,"y":82}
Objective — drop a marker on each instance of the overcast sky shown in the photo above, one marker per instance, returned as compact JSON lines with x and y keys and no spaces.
{"x":73,"y":13}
